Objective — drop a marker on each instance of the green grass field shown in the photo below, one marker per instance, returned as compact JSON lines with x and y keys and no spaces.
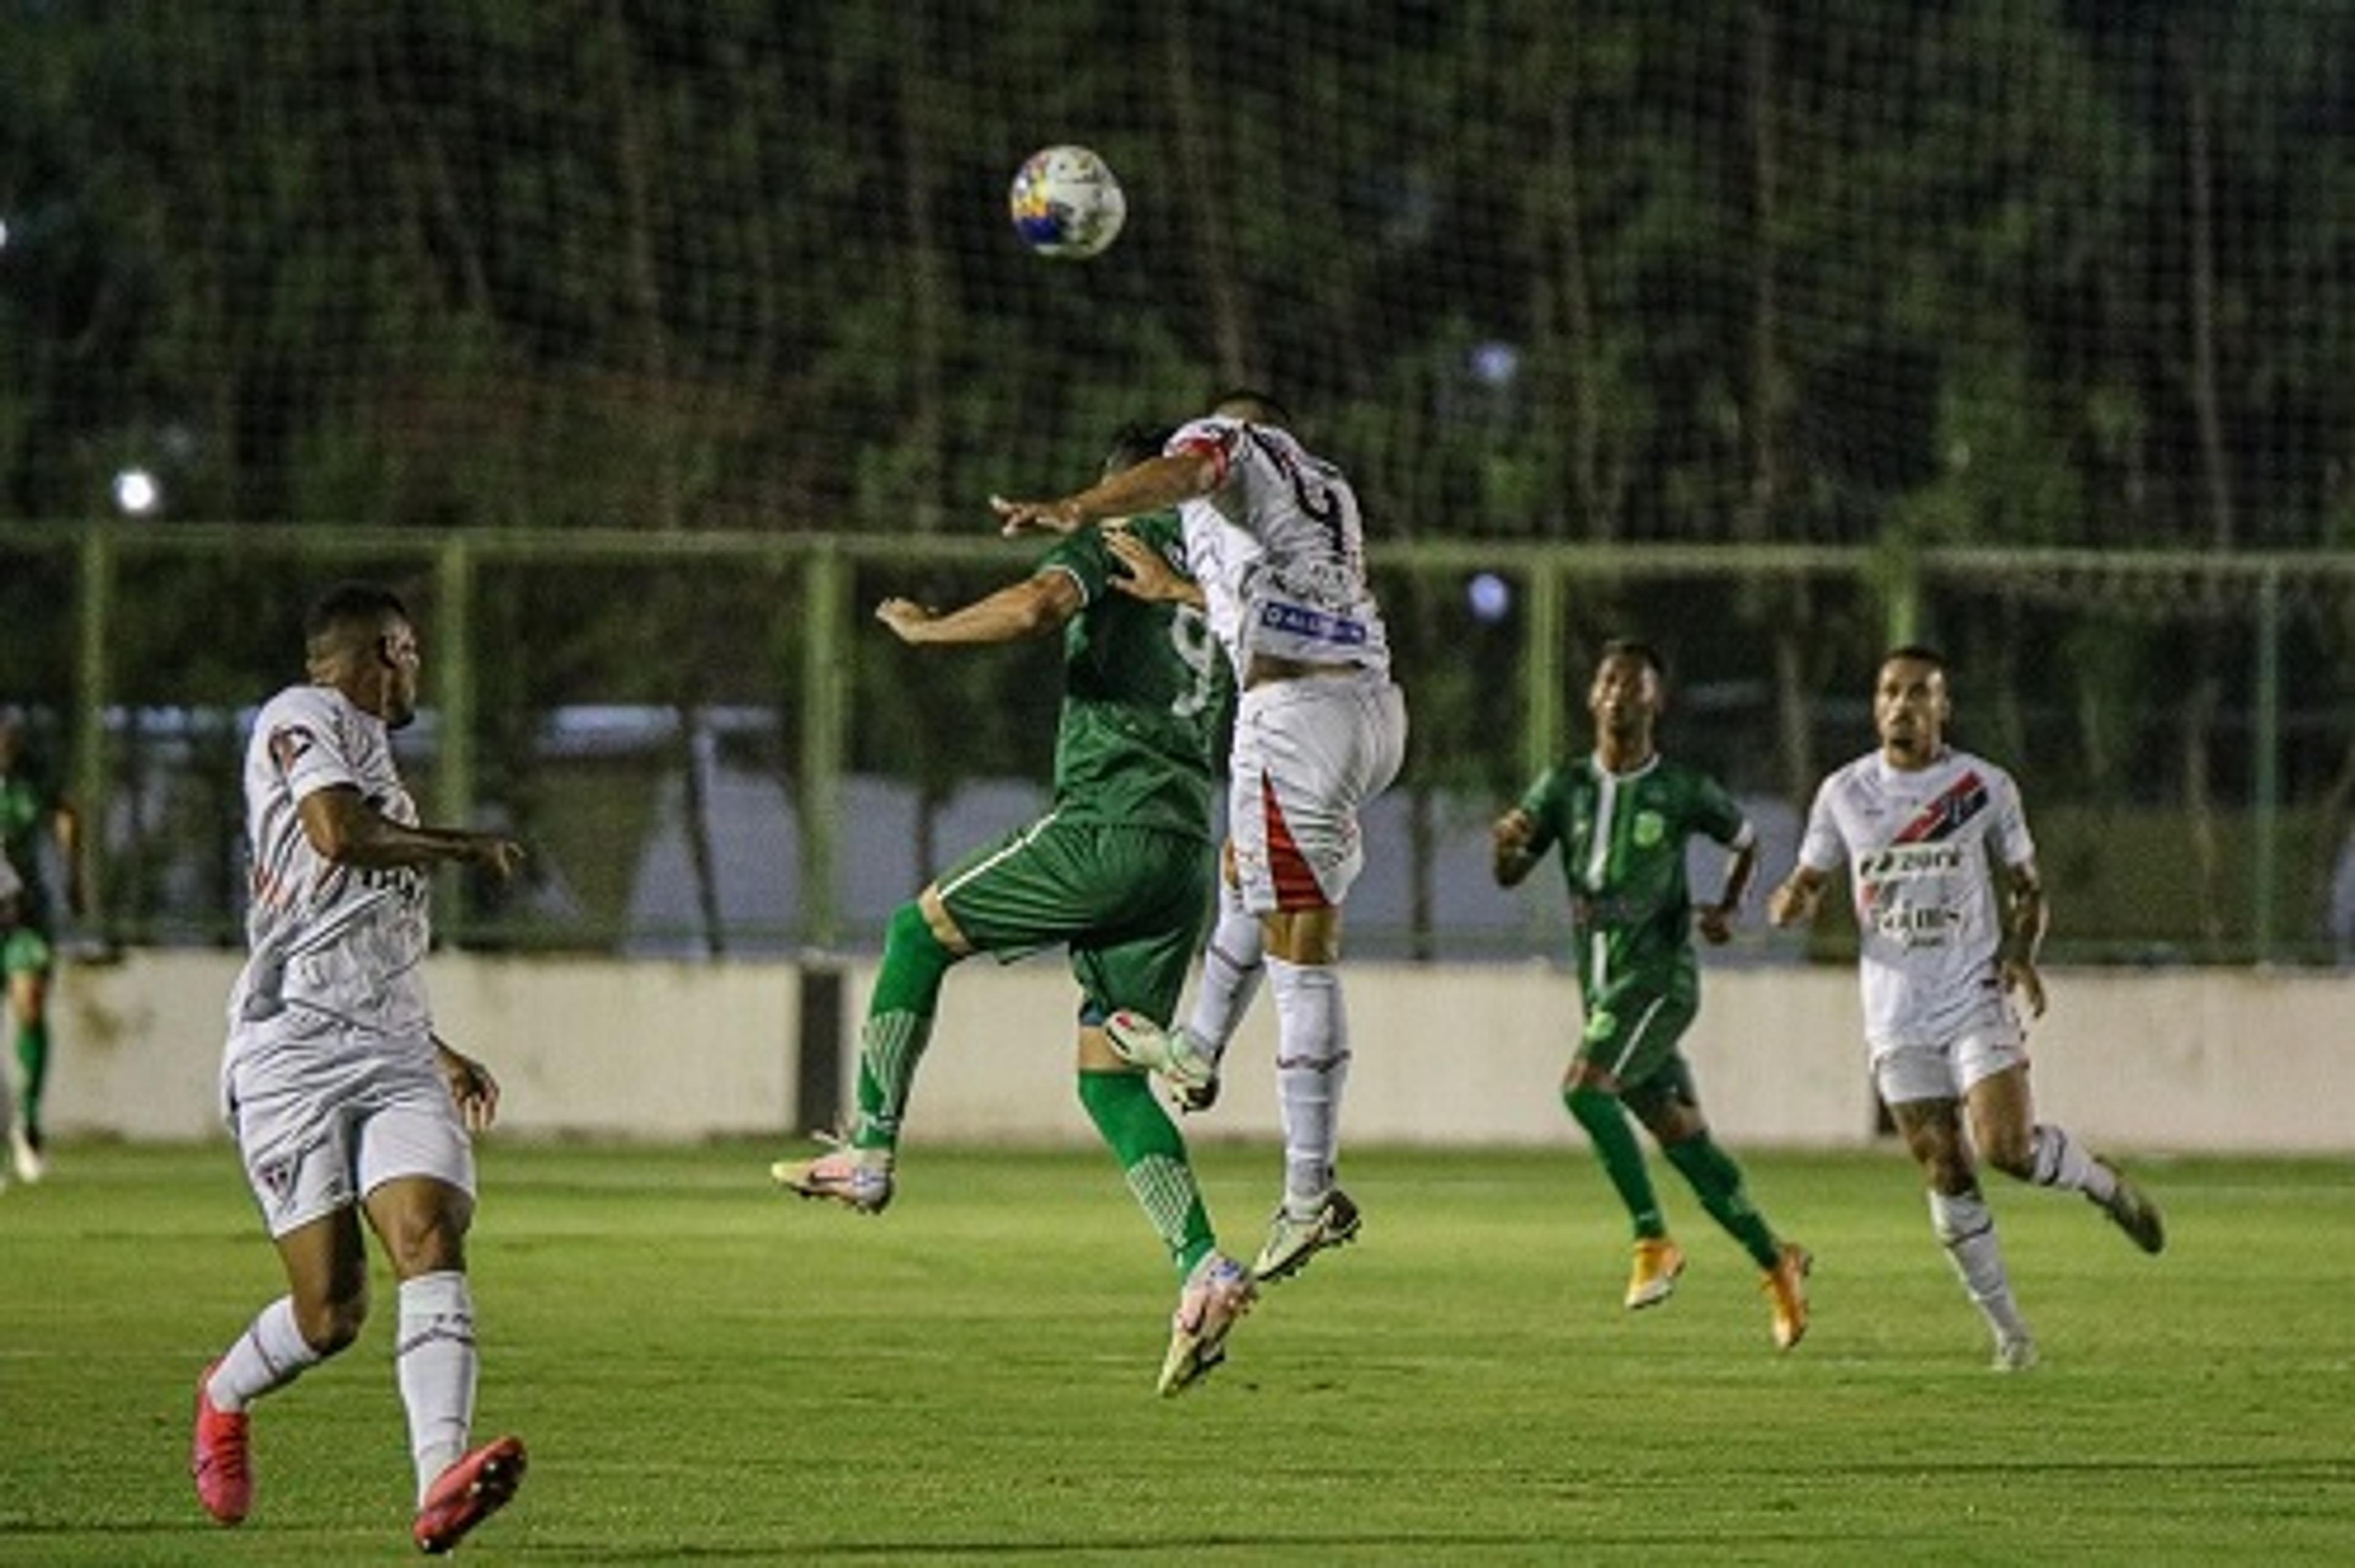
{"x":707,"y":1373}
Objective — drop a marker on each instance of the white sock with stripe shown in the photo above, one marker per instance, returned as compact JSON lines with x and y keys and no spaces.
{"x":1965,"y":1227}
{"x":270,"y":1354}
{"x":434,"y":1358}
{"x":1232,"y":966}
{"x":1312,"y":1067}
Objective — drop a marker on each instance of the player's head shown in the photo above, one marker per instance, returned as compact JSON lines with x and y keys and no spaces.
{"x":358,"y":637}
{"x":1134,"y":442}
{"x":1629,"y":689}
{"x":1911,"y":706}
{"x":1251,"y":403}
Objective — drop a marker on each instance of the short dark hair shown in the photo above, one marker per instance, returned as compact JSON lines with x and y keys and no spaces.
{"x":348,"y":605}
{"x":1251,"y":403}
{"x":1134,"y":442}
{"x":1634,"y":649}
{"x":1919,"y":653}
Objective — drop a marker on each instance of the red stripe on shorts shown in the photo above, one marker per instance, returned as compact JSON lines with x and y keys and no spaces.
{"x":1295,"y":881}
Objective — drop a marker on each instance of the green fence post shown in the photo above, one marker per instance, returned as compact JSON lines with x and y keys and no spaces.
{"x":452,"y":636}
{"x":825,"y":585}
{"x":93,"y":679}
{"x":2265,"y":812}
{"x":1541,"y":668}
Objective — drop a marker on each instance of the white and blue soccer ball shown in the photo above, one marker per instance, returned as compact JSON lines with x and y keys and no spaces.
{"x":1067,"y":202}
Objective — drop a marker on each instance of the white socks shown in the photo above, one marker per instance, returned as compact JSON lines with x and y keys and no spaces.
{"x":2061,"y":1161}
{"x":1967,"y":1230}
{"x":1312,"y":1065}
{"x":1233,"y":965}
{"x":270,"y":1354}
{"x":434,"y":1356}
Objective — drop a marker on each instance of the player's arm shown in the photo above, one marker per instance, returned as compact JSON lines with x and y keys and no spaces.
{"x":347,"y":830}
{"x":1795,"y":900}
{"x":1033,"y":607}
{"x":2025,"y":916}
{"x":65,"y":827}
{"x":471,"y":1087}
{"x":1156,"y":485}
{"x":1514,"y":850}
{"x":1715,"y":921}
{"x":1147,"y":573}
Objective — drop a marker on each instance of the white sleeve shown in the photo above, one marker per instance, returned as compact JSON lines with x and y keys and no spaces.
{"x":306,"y":744}
{"x":1821,"y":848}
{"x":2013,"y":842}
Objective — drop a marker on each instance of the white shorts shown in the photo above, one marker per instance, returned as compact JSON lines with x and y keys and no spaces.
{"x":1308,"y":753}
{"x":324,"y":1114}
{"x":1947,"y":1071}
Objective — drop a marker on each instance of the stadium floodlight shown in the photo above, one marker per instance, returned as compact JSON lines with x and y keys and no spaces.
{"x":136,"y":494}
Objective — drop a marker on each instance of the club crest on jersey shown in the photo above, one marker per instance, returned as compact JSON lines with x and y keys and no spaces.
{"x":276,"y":1177}
{"x":287,"y":744}
{"x":1649,"y":829}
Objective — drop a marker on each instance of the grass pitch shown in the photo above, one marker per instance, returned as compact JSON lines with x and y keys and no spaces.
{"x":708,"y":1373}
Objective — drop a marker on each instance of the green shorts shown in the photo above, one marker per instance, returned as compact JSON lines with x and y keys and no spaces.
{"x":1632,"y":1031}
{"x":1131,"y":904}
{"x":25,"y":950}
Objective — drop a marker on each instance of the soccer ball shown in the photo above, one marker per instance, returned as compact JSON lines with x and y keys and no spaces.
{"x":1067,"y":203}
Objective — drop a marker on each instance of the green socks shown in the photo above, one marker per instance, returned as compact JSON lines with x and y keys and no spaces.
{"x":33,"y":1057}
{"x":1153,"y":1154}
{"x":1717,"y":1181}
{"x":1598,"y":1112}
{"x":898,"y":1025}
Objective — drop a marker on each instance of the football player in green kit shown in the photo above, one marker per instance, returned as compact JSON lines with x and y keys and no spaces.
{"x":1622,"y":816}
{"x":1120,"y":871}
{"x":29,"y":811}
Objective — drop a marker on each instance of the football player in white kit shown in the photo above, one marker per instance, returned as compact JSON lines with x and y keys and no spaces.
{"x":1949,"y":913}
{"x":343,"y":1101}
{"x":1276,"y":544}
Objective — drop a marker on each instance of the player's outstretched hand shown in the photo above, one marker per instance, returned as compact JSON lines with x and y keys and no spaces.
{"x":472,"y":1088}
{"x":1146,"y":572}
{"x":1034,"y":516}
{"x":1715,"y":923}
{"x":904,"y":616}
{"x":498,"y":856}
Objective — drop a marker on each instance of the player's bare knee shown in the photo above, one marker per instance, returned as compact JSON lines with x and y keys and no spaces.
{"x":329,"y":1324}
{"x":2015,"y":1158}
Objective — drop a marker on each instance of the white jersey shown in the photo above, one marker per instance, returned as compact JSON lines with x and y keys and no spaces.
{"x":1918,"y":845}
{"x":338,"y":941}
{"x":1278,"y":546}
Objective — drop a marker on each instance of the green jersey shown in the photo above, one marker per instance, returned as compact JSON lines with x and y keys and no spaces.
{"x":1145,"y":689}
{"x":26,"y":809}
{"x":1622,"y":851}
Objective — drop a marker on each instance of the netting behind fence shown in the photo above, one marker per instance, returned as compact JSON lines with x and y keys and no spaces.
{"x":726,"y":755}
{"x":2025,"y":270}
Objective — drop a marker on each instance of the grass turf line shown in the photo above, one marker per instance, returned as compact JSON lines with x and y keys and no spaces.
{"x":708,"y":1373}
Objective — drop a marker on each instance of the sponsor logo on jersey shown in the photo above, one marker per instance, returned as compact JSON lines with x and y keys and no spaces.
{"x":1898,"y":861}
{"x":1299,"y":620}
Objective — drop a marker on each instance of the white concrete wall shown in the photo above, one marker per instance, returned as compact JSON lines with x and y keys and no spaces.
{"x":2187,"y":1060}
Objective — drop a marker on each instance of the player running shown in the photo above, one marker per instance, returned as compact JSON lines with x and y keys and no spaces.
{"x":1119,"y":873}
{"x":30,"y":810}
{"x":1621,"y":817}
{"x":1943,"y":944}
{"x":1275,"y":551}
{"x":343,"y":1102}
